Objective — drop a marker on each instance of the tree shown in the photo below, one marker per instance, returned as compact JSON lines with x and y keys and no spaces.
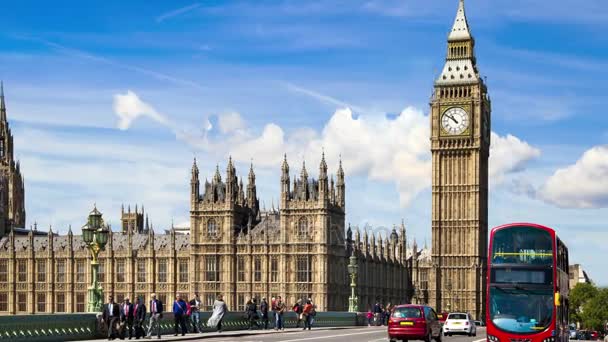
{"x":579,"y":296}
{"x":595,"y":311}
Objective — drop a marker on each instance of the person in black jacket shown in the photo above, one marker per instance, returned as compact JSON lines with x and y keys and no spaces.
{"x":126,"y":318}
{"x":264,"y":310}
{"x":110,"y":316}
{"x":252,"y":313}
{"x":138,"y":319}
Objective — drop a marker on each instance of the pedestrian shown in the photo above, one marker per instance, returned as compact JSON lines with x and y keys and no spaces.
{"x":110,"y":316}
{"x":370,"y":316}
{"x":387,"y":313}
{"x":179,"y":314}
{"x":377,"y":312}
{"x":252,"y":313}
{"x":307,"y":315}
{"x":297,"y":308}
{"x":195,"y":316}
{"x":279,"y":309}
{"x":219,"y":310}
{"x":126,"y":318}
{"x":139,"y":316}
{"x":264,"y":310}
{"x":313,"y":312}
{"x":273,"y":305}
{"x":156,"y":313}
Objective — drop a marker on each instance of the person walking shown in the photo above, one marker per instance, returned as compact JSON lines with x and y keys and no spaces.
{"x":377,"y":312}
{"x":279,"y":309}
{"x":307,"y":315}
{"x":370,"y":316}
{"x":139,"y":316}
{"x":126,"y":318}
{"x":179,"y":314}
{"x":252,"y":313}
{"x":297,"y":308}
{"x":219,"y":311}
{"x":264,"y":311}
{"x":387,"y":313}
{"x":195,"y":316}
{"x":156,"y":313}
{"x":110,"y":316}
{"x":313,"y":312}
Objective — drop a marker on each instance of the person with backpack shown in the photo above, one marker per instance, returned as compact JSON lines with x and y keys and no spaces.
{"x":297,"y":308}
{"x":307,"y":315}
{"x":180,"y":308}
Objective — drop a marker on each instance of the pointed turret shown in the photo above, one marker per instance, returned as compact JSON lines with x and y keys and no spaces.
{"x":340,"y":187}
{"x":303,"y":182}
{"x":2,"y":103}
{"x":251,"y":189}
{"x":194,"y":186}
{"x":460,"y":66}
{"x":217,"y":178}
{"x":323,"y":186}
{"x":460,"y":29}
{"x":284,"y":179}
{"x":357,"y":238}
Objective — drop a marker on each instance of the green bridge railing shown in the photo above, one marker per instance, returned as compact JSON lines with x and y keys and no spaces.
{"x":83,"y":326}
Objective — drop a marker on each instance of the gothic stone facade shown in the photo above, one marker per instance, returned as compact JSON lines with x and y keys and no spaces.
{"x":298,"y":250}
{"x":460,"y":145}
{"x":12,"y":189}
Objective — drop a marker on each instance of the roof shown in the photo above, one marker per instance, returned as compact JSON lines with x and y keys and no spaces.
{"x":460,"y":29}
{"x":458,"y":71}
{"x":119,"y":242}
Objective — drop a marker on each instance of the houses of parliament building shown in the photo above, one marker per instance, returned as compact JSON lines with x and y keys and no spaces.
{"x":300,"y":249}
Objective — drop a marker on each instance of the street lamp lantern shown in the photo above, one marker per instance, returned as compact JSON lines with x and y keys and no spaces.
{"x":95,"y":235}
{"x":102,"y":236}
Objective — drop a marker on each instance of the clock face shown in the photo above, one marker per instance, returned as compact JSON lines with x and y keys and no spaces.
{"x":455,"y":120}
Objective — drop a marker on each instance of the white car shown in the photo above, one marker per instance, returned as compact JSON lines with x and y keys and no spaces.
{"x":459,"y":323}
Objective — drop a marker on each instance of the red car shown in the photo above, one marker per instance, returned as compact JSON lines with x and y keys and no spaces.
{"x":442,"y":317}
{"x":414,"y":322}
{"x":594,"y":335}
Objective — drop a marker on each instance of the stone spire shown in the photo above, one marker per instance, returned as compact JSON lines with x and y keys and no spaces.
{"x":217,"y":178}
{"x":284,"y":180}
{"x":460,"y":29}
{"x":340,"y":187}
{"x":251,"y":189}
{"x":304,"y":182}
{"x":2,"y":104}
{"x":323,"y":191}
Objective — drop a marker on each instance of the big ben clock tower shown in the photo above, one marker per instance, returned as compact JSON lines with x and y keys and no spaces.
{"x":460,"y":144}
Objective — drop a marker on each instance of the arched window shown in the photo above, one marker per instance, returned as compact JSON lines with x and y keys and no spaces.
{"x":211,"y":227}
{"x":303,"y":227}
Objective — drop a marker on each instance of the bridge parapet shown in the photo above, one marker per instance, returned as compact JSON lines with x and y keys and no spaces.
{"x":85,"y":326}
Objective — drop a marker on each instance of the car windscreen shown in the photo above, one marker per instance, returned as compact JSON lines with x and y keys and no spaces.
{"x":457,"y":316}
{"x":407,"y":313}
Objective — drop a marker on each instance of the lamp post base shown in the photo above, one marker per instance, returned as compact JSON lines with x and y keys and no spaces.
{"x":353,"y":304}
{"x":95,"y":303}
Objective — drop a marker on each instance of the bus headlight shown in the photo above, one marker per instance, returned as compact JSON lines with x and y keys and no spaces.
{"x":549,"y":339}
{"x":492,"y":338}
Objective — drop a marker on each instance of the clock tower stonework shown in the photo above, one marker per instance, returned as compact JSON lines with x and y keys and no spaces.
{"x":460,"y":145}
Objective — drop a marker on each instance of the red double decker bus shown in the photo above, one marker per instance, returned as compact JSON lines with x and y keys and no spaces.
{"x":527,"y":288}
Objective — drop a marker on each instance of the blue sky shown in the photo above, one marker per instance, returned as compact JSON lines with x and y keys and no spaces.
{"x":109,"y":103}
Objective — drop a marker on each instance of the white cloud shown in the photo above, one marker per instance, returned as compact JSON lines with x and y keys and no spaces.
{"x":176,"y":12}
{"x":230,"y":122}
{"x":129,"y":107}
{"x":582,"y":185}
{"x":508,"y":155}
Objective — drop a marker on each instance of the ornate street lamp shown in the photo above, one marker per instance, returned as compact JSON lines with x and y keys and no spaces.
{"x":95,"y":235}
{"x":353,"y":268}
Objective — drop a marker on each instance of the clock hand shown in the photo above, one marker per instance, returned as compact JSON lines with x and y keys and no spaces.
{"x":452,"y":117}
